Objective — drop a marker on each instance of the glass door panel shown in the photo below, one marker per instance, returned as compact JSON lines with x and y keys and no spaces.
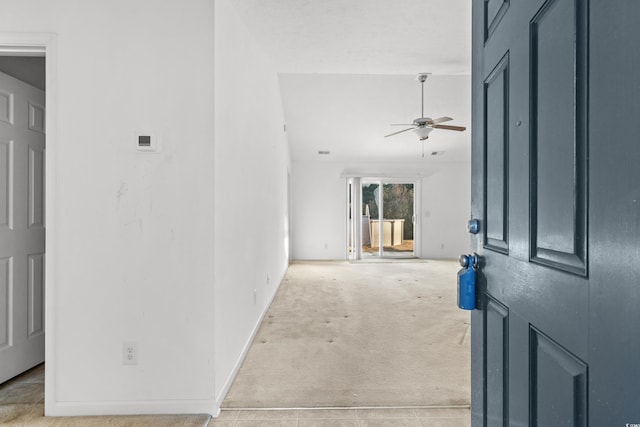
{"x":370,"y":219}
{"x":397,"y":222}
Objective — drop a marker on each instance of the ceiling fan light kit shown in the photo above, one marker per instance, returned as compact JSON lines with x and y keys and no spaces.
{"x":423,"y":132}
{"x":423,"y":126}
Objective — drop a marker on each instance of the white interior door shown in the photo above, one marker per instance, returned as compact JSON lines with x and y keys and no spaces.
{"x":22,"y":227}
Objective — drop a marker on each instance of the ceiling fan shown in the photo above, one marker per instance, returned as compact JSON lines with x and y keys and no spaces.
{"x":424,"y":125}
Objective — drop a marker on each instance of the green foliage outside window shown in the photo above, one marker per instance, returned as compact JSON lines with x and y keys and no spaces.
{"x":398,"y":204}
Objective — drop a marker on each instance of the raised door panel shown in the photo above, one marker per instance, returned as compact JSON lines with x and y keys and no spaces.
{"x":558,"y":136}
{"x":6,"y":106}
{"x":496,"y":366}
{"x":36,"y":117}
{"x":36,"y":295}
{"x":496,"y":140}
{"x":494,"y":10}
{"x":6,"y":184}
{"x":6,"y":279}
{"x":36,"y":187}
{"x":558,"y":385}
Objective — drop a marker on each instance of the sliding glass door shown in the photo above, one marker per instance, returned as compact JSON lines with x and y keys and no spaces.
{"x":387,"y":220}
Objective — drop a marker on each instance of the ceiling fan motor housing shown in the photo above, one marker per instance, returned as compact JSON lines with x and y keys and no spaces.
{"x":422,"y":121}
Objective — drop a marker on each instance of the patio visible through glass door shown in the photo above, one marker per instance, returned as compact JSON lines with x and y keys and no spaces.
{"x":387,"y":219}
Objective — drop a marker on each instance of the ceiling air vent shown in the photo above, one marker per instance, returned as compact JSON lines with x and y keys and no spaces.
{"x":324,"y":152}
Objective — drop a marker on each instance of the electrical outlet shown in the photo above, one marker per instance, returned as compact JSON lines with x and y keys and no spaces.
{"x":255,"y":296}
{"x":268,"y":279}
{"x":130,"y":353}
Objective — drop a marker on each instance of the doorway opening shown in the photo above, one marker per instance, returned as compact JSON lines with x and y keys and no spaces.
{"x":381,"y":218}
{"x":24,"y":175}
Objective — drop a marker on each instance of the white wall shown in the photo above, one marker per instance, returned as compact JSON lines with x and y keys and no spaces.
{"x":251,"y":190}
{"x":318,"y":228}
{"x":319,"y":206}
{"x":130,"y":253}
{"x":446,"y":209}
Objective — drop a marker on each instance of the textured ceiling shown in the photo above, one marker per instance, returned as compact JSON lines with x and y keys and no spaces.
{"x":349,"y":115}
{"x":347,"y":70}
{"x":363,"y":36}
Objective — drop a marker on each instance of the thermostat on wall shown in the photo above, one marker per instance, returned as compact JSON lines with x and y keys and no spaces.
{"x":147,"y":141}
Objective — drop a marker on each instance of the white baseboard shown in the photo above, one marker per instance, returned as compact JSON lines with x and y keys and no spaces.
{"x":236,"y":367}
{"x":145,"y":407}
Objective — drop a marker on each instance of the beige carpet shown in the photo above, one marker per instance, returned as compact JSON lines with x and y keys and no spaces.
{"x":368,"y":334}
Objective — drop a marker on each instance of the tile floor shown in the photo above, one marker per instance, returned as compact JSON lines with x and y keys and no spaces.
{"x":388,"y":417}
{"x":26,"y":388}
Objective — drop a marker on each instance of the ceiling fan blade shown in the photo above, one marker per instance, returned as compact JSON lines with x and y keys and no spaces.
{"x":402,"y":124}
{"x":447,"y":127}
{"x":395,"y":133}
{"x":439,"y":120}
